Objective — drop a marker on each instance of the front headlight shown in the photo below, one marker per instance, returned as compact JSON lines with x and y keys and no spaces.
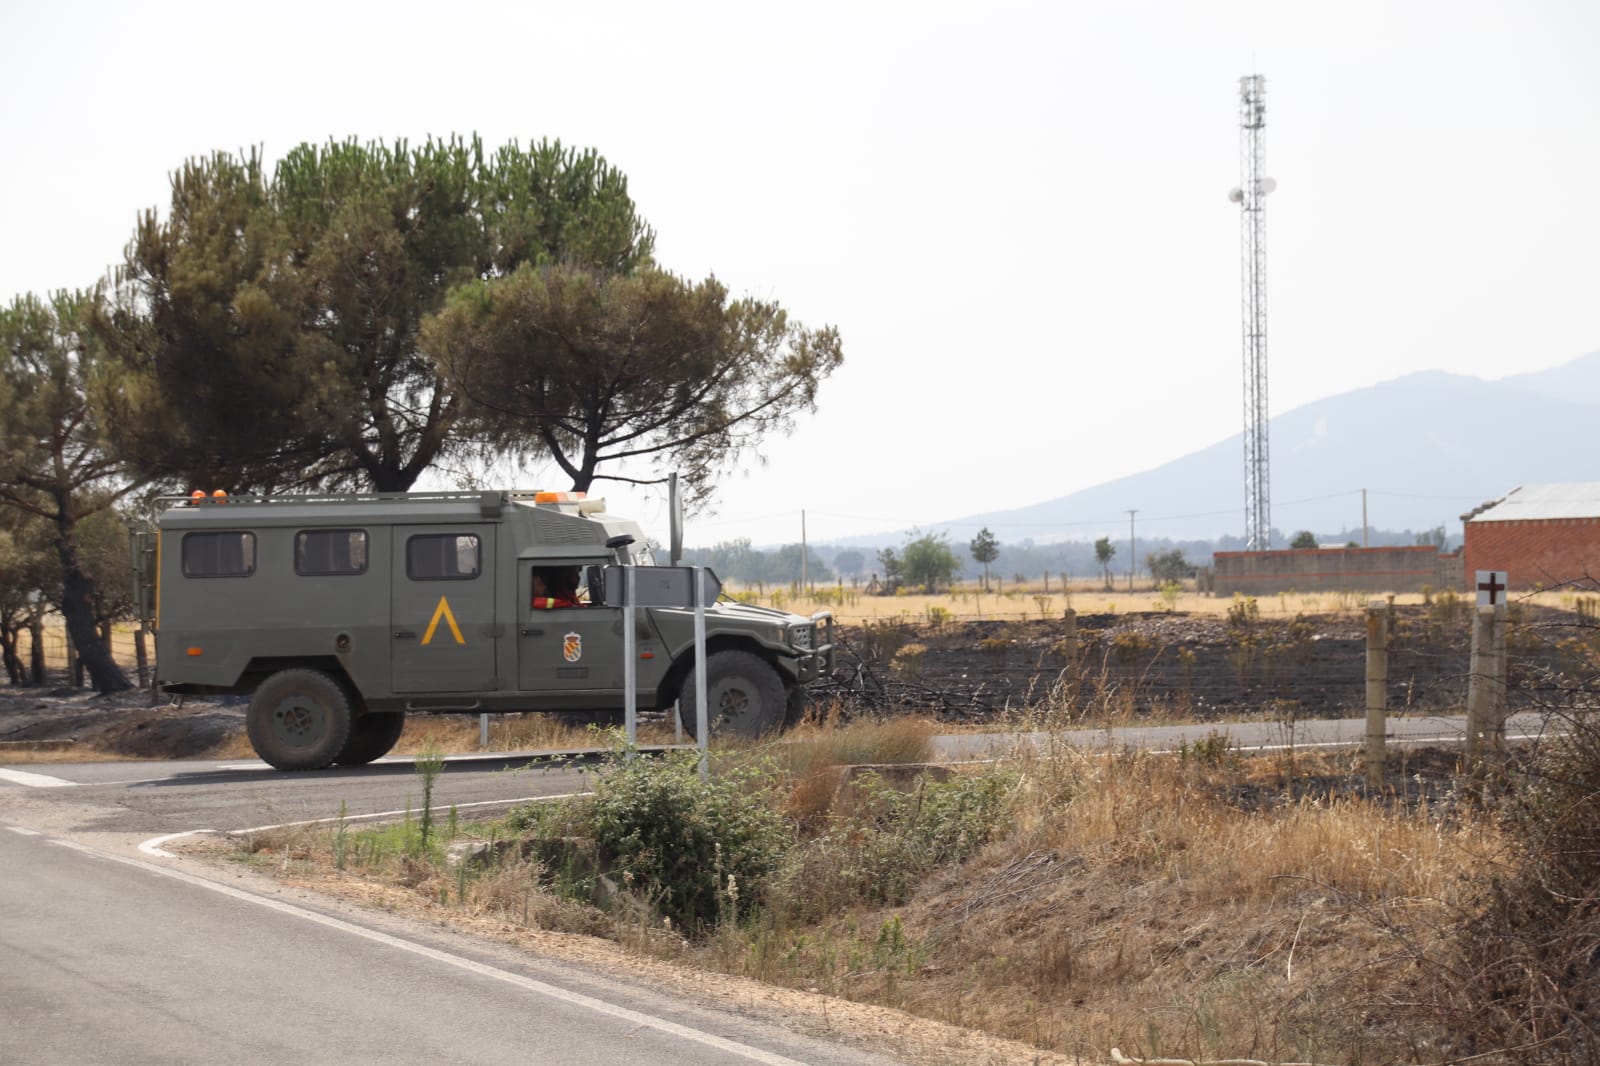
{"x":800,"y":637}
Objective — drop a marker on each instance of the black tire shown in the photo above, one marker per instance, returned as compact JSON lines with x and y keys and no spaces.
{"x":371,"y":737}
{"x":299,"y":719}
{"x":744,"y":694}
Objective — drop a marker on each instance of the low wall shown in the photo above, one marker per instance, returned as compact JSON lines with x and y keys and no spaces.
{"x":1268,"y":573}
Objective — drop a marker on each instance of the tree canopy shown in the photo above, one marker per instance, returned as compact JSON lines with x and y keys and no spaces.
{"x":594,"y":368}
{"x":1104,"y":551}
{"x":737,"y":560}
{"x":28,"y":565}
{"x":927,"y":560}
{"x":53,"y":465}
{"x":985,"y":549}
{"x":1168,"y":565}
{"x":267,"y":330}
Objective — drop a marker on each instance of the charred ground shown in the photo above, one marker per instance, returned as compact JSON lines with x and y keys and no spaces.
{"x":1103,"y":666}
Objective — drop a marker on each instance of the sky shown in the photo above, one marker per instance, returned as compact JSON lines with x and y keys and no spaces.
{"x":1016,"y":214}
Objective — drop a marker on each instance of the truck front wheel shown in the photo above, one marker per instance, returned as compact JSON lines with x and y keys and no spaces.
{"x":299,"y":719}
{"x":744,"y":694}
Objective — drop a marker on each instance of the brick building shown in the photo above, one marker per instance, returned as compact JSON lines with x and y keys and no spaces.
{"x":1541,"y":535}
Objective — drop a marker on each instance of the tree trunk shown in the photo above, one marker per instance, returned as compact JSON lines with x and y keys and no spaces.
{"x":142,"y":656}
{"x":36,"y":653}
{"x":9,"y":636}
{"x":77,"y":608}
{"x":389,"y":479}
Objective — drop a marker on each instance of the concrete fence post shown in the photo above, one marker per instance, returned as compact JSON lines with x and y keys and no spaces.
{"x":1377,"y":690}
{"x":1486,"y":690}
{"x":1069,"y":652}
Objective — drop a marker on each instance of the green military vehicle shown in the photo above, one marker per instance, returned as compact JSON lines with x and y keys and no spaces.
{"x":338,"y":614}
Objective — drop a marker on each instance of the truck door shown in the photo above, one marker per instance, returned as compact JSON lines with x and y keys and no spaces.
{"x":442,"y":624}
{"x":574,"y":654}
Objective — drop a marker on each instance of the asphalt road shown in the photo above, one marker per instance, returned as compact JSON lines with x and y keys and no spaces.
{"x":152,"y":798}
{"x":113,"y":954}
{"x":1247,"y":737}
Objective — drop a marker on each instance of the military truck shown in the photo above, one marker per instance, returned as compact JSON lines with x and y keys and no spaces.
{"x":339,"y":614}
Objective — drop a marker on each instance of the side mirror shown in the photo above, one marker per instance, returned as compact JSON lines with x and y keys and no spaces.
{"x":618,"y":546}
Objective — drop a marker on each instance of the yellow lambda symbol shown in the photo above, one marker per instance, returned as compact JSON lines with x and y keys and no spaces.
{"x":443,"y":611}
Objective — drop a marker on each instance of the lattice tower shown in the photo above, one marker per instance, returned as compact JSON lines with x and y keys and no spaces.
{"x":1251,"y":197}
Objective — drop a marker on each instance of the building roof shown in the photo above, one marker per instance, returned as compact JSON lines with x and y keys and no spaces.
{"x":1571,"y":499}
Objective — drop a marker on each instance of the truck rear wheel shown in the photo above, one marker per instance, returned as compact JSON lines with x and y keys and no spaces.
{"x":371,"y":737}
{"x":299,"y":719}
{"x":744,"y":695}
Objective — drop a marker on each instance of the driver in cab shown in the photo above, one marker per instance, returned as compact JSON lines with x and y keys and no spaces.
{"x":555,"y":586}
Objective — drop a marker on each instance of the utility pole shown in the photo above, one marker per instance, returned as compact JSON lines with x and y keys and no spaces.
{"x":1363,"y":518}
{"x":1131,"y":542}
{"x":804,"y":584}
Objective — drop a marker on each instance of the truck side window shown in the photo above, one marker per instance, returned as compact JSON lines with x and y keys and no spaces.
{"x":224,"y":554}
{"x":320,"y":552}
{"x":442,"y":557}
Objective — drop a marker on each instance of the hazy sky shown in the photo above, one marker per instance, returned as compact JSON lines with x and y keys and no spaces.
{"x":1015,"y":213}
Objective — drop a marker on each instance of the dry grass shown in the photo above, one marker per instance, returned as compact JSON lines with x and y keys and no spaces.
{"x":1031,"y":600}
{"x":813,"y":755}
{"x":1210,"y":906}
{"x":1136,"y":903}
{"x":1021,"y":602}
{"x":511,"y":732}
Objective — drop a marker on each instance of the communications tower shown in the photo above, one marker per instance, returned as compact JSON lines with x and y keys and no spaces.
{"x":1251,"y":198}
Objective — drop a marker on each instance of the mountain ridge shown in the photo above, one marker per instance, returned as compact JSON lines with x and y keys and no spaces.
{"x":1426,"y":447}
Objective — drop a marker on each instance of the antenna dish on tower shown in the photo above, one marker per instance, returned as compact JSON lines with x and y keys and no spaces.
{"x":1236,"y":196}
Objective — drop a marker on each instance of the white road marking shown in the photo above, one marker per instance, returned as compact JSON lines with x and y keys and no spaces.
{"x":22,"y":777}
{"x":576,"y":999}
{"x":153,"y":845}
{"x":25,"y":832}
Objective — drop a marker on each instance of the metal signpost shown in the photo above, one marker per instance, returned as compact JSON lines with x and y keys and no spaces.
{"x":663,"y":586}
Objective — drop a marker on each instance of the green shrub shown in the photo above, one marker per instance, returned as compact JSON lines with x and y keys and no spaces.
{"x":699,"y":850}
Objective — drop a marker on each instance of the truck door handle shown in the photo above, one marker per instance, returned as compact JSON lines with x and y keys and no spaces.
{"x":404,"y":634}
{"x":530,"y":632}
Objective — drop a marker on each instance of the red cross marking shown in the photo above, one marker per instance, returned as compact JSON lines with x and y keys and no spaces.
{"x":1492,"y":587}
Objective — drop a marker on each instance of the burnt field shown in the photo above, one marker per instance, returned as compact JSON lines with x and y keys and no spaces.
{"x":1156,"y":664}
